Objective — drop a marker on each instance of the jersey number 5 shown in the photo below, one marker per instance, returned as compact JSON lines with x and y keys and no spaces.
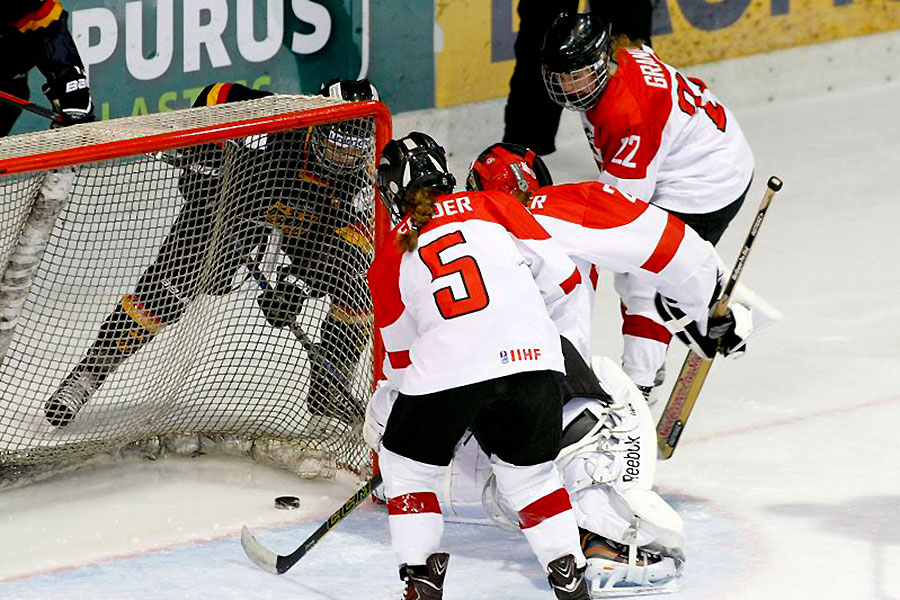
{"x":476,"y":297}
{"x":689,"y":101}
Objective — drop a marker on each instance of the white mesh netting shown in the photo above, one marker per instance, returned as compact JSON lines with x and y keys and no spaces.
{"x":199,"y":293}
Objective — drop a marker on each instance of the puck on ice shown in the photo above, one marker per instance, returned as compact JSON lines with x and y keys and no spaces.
{"x":287,"y":502}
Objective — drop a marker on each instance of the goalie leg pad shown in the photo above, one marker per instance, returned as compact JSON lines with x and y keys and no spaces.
{"x":610,"y":471}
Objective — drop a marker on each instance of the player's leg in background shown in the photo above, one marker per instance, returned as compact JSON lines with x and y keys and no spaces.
{"x":339,"y":272}
{"x":18,"y":87}
{"x":521,"y":431}
{"x":629,"y":17}
{"x":159,"y":299}
{"x":645,"y":338}
{"x":531,"y":117}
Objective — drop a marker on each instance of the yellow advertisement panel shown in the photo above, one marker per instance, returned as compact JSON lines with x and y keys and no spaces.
{"x":474,"y":58}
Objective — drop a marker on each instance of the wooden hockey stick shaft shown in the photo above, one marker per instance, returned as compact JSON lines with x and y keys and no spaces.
{"x":278,"y":564}
{"x":30,"y":107}
{"x":695,"y":369}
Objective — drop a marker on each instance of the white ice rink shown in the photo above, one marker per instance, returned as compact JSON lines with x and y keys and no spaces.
{"x":786,"y":477}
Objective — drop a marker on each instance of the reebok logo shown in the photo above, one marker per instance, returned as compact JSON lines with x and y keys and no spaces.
{"x":632,"y":459}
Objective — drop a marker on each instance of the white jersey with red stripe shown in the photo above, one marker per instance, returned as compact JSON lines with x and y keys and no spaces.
{"x":596,"y":223}
{"x":485,"y":294}
{"x":666,"y":138}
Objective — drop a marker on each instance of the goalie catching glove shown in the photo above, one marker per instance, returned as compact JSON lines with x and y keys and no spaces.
{"x":70,"y":94}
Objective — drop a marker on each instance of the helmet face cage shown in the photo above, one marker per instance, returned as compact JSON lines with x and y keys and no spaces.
{"x":579,"y":89}
{"x":408,"y":164}
{"x":575,"y":60}
{"x":508,"y":168}
{"x":346,"y":147}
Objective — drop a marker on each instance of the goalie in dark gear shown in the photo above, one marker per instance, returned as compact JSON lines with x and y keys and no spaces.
{"x":226,"y":229}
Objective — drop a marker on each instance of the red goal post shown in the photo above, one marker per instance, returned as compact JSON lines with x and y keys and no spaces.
{"x":87,"y":218}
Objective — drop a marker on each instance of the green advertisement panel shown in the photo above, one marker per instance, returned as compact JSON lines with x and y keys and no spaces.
{"x":147,"y":56}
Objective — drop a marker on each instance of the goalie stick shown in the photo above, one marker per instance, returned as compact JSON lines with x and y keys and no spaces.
{"x":278,"y":564}
{"x":694,"y":370}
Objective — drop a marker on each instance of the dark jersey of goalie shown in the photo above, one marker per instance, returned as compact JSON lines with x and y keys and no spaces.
{"x":33,"y":33}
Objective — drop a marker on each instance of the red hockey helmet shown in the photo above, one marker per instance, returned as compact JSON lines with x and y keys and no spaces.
{"x":509,"y":168}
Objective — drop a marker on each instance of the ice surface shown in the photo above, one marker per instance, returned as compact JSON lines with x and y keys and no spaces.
{"x":786,"y":476}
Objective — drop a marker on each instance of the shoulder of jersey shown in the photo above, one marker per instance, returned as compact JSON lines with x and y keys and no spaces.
{"x":641,"y":84}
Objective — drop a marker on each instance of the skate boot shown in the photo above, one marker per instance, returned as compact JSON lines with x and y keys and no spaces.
{"x":425,"y":582}
{"x":68,"y":399}
{"x":612,"y":565}
{"x":567,"y":580}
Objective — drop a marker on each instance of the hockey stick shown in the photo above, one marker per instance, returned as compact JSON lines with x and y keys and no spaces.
{"x":31,"y":107}
{"x":256,"y":271}
{"x":694,"y":370}
{"x":278,"y":564}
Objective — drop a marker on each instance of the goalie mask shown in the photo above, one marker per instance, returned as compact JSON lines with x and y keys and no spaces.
{"x":508,"y":168}
{"x":408,"y":164}
{"x":575,"y":60}
{"x":347,"y":146}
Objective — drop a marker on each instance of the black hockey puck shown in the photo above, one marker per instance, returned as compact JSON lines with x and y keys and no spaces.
{"x":287,"y":502}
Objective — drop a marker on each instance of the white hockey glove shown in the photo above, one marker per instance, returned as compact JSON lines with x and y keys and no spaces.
{"x":377,"y":412}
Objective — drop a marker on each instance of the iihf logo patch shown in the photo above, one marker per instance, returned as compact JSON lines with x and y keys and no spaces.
{"x":519,"y":354}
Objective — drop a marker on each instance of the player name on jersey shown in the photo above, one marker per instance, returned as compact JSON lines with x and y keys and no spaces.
{"x":445,"y":208}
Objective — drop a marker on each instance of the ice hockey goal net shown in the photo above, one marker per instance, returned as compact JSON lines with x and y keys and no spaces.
{"x":142,"y":268}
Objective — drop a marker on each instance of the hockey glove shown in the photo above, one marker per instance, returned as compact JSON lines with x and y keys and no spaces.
{"x":377,"y":412}
{"x":70,"y":95}
{"x":731,"y":329}
{"x":726,"y":335}
{"x":281,"y":304}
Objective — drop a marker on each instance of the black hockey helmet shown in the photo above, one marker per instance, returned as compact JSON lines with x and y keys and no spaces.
{"x":575,"y":60}
{"x":347,"y":146}
{"x":408,"y":164}
{"x":509,"y":168}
